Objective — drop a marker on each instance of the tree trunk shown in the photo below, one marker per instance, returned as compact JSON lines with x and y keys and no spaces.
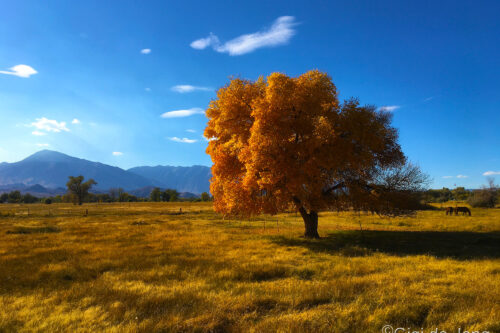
{"x":310,"y":223}
{"x":310,"y":219}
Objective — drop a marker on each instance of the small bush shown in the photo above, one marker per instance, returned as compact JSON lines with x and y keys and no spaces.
{"x":485,"y":198}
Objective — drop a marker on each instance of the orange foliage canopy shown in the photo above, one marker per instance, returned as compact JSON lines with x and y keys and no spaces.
{"x":287,"y":141}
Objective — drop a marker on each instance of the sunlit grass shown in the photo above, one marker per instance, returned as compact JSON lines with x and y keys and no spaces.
{"x":151,"y":267}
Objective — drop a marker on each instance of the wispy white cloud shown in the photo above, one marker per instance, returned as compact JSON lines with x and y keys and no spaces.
{"x":182,"y":140}
{"x":182,"y":113}
{"x":491,"y":173}
{"x":21,"y":71}
{"x":428,"y":99}
{"x":48,"y":125}
{"x":117,"y":153}
{"x":43,"y":145}
{"x":191,"y":131}
{"x":185,"y":88}
{"x":203,"y":43}
{"x":457,"y":176}
{"x":281,"y":31}
{"x":38,"y":133}
{"x":389,"y":108}
{"x":147,"y":89}
{"x":76,"y":121}
{"x":146,"y":51}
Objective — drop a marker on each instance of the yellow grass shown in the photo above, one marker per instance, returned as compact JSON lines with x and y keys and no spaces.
{"x":143,"y":267}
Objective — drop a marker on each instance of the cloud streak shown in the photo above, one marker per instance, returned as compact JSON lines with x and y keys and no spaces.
{"x":186,"y":88}
{"x":491,"y":173}
{"x":280,"y":33}
{"x":389,"y":108}
{"x":24,"y":71}
{"x":182,"y":113}
{"x":182,"y":140}
{"x":117,"y":153}
{"x":146,"y":51}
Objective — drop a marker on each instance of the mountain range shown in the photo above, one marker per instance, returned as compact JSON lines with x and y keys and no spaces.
{"x":49,"y":170}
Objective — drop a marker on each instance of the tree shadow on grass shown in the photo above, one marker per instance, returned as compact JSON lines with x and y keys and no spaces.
{"x":456,"y":245}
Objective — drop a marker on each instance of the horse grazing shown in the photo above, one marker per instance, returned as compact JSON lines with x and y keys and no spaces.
{"x":463,"y":210}
{"x":449,"y":210}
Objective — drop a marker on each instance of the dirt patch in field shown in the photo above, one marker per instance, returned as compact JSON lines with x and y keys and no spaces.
{"x":33,"y":230}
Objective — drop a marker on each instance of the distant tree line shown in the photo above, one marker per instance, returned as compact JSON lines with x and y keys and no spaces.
{"x":78,"y":192}
{"x":445,"y":194}
{"x":17,"y":197}
{"x":157,"y":195}
{"x":487,"y":197}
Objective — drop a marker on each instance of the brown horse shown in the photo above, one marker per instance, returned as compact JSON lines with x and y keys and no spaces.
{"x":449,"y":210}
{"x":463,"y":210}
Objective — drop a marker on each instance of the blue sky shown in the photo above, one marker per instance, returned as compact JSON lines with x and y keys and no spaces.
{"x":99,"y":75}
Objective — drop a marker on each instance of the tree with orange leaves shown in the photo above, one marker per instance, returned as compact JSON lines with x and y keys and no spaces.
{"x":285,"y":142}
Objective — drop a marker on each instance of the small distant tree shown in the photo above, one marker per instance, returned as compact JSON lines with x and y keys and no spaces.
{"x":431,"y":195}
{"x":445,"y":195}
{"x":155,"y":195}
{"x":165,"y":196}
{"x":47,"y":201}
{"x":29,"y":199}
{"x":205,"y":196}
{"x":91,"y":197}
{"x":460,"y":194}
{"x":131,"y":198}
{"x":113,"y":194}
{"x":486,"y":197}
{"x":122,"y":195}
{"x":78,"y":189}
{"x":14,"y":197}
{"x":104,"y":198}
{"x":4,"y":198}
{"x":173,"y":195}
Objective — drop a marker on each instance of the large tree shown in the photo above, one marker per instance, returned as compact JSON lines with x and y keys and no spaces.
{"x":284,"y":142}
{"x":78,"y":189}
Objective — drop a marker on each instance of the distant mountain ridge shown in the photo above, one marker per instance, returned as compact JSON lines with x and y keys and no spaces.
{"x":193,"y":179}
{"x":36,"y":190}
{"x":50,"y":170}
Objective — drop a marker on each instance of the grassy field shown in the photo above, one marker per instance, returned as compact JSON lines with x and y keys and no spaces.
{"x":147,"y":267}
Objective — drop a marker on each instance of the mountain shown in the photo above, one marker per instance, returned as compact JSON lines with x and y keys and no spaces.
{"x":36,"y":190}
{"x":194,"y":179}
{"x":51,"y":169}
{"x":47,"y":170}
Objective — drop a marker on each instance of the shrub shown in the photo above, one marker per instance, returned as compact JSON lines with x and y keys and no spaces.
{"x":486,"y":197}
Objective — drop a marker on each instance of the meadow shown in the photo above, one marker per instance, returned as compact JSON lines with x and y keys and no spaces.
{"x":180,"y":267}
